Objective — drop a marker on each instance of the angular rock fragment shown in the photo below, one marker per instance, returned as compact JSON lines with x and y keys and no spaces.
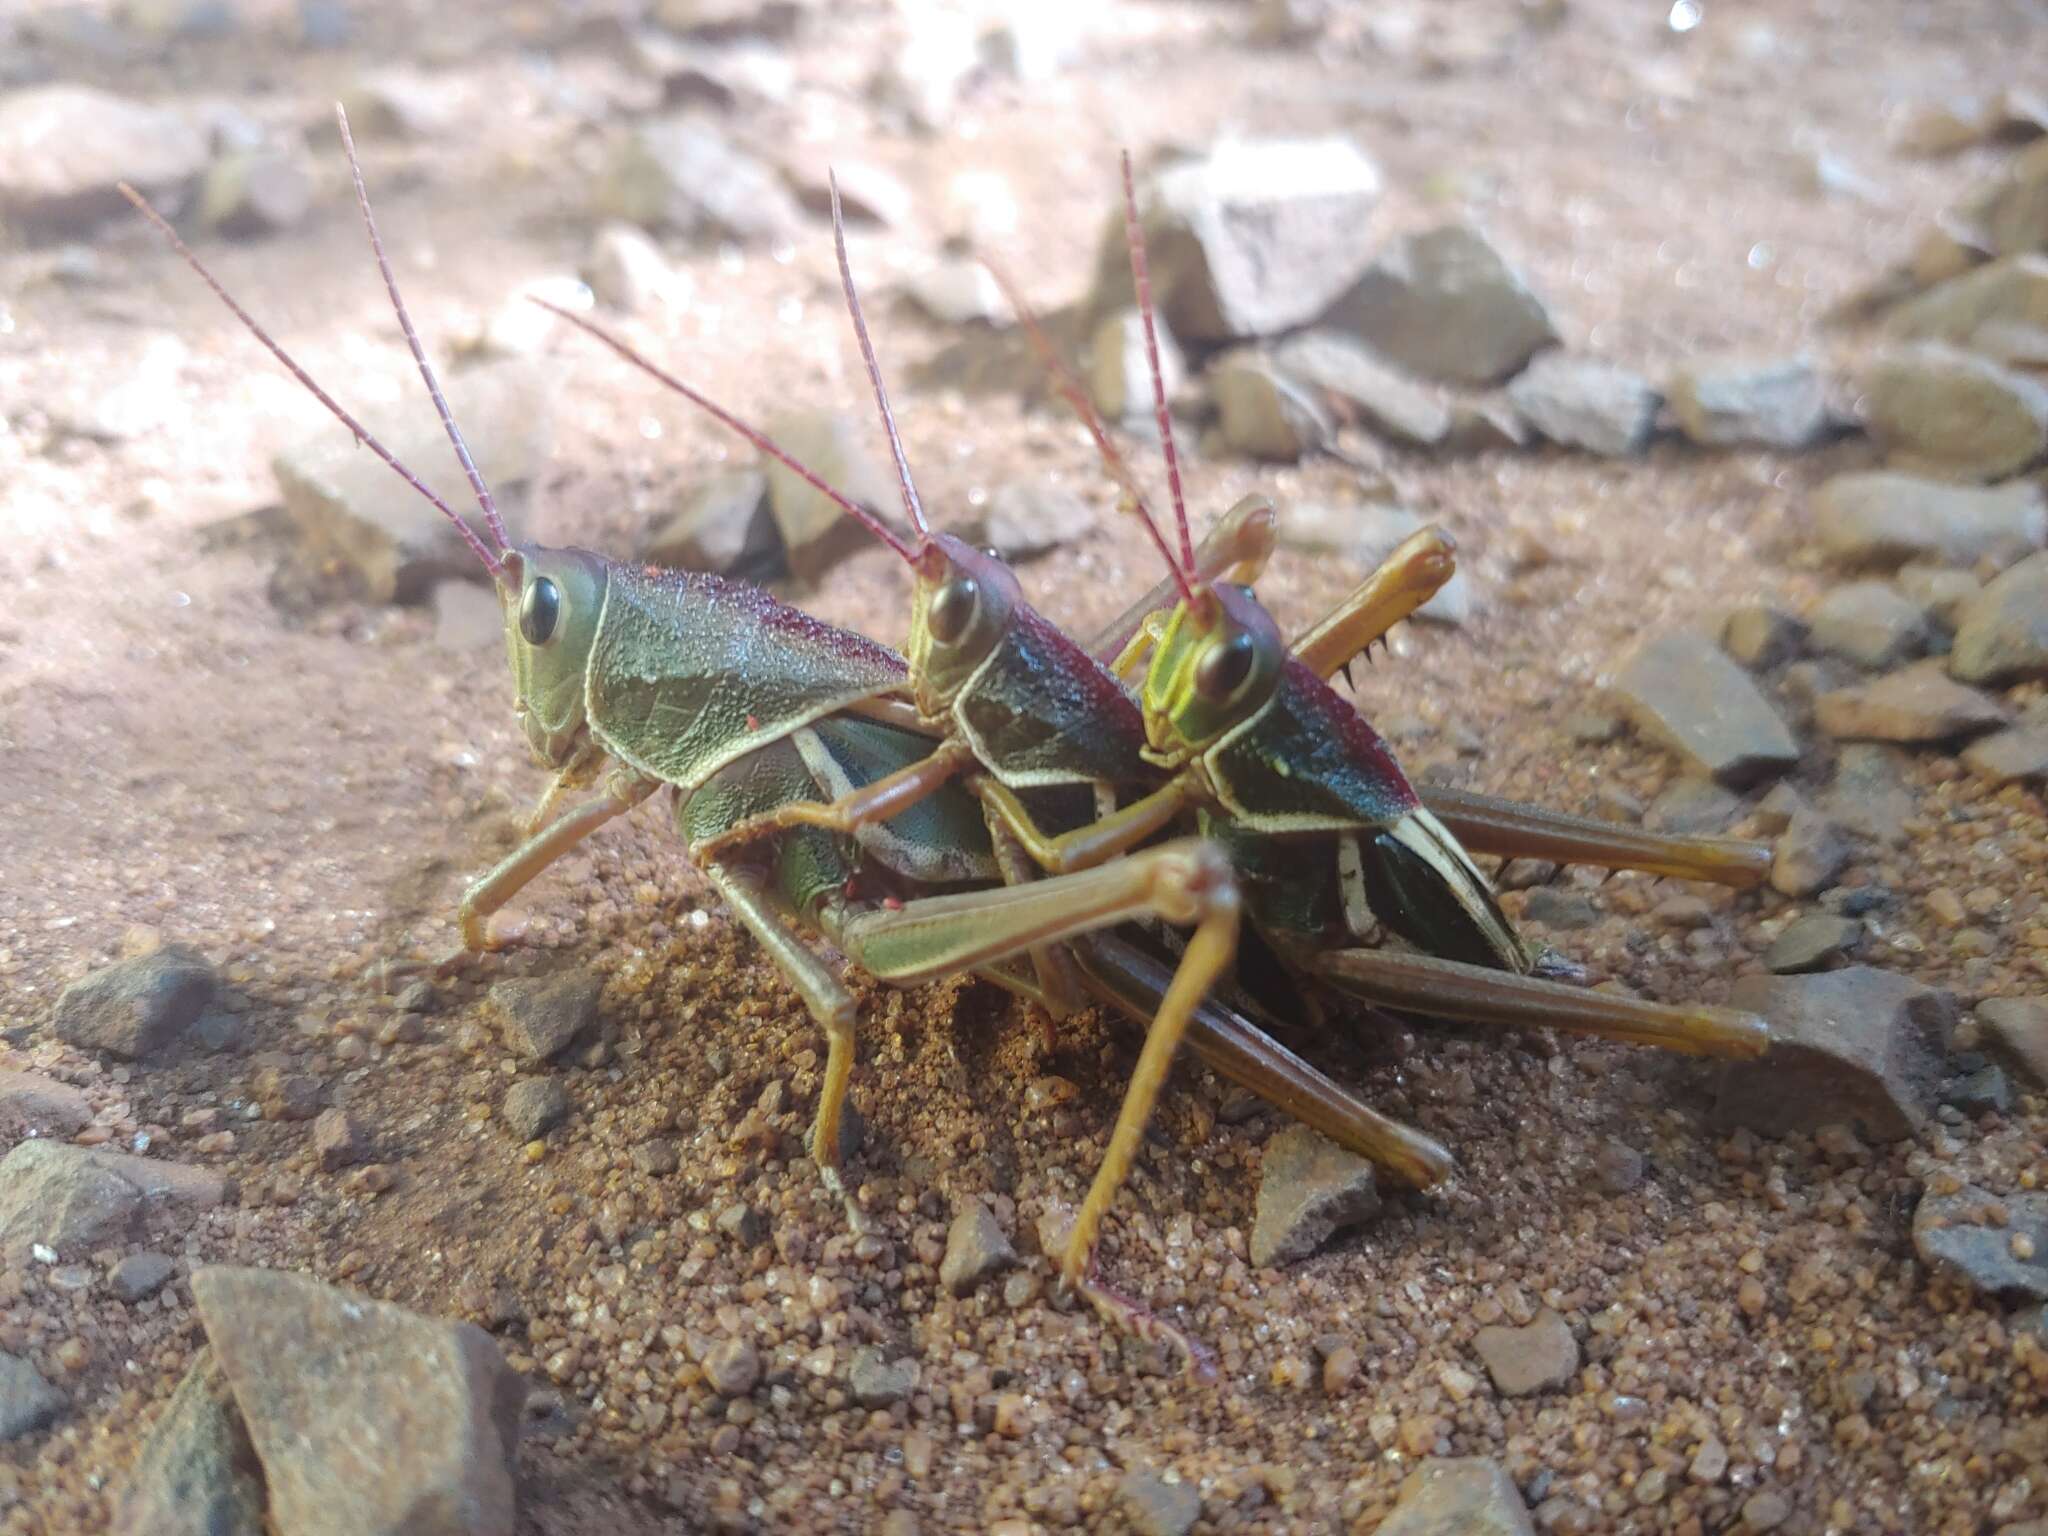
{"x":1538,"y":1358}
{"x":1155,"y":1507}
{"x":65,"y":148}
{"x":1465,"y":1495}
{"x":72,"y":1199}
{"x":1868,"y":623}
{"x":1445,"y":305}
{"x":1682,"y":690}
{"x":1860,"y":1047}
{"x":961,"y":291}
{"x":1027,"y":518}
{"x":976,"y":1247}
{"x":137,"y":1008}
{"x":1961,"y":415}
{"x":1760,"y":637}
{"x":2008,"y":293}
{"x":1810,"y":853}
{"x":1262,"y":412}
{"x":1583,"y":402}
{"x":27,"y":1401}
{"x":626,"y":269}
{"x":1779,"y":404}
{"x":34,"y":1105}
{"x":1367,"y":534}
{"x":542,"y":1016}
{"x":1994,"y":1243}
{"x":2015,"y":1029}
{"x":1353,"y":385}
{"x":1920,"y":703}
{"x":681,"y":175}
{"x":722,"y":526}
{"x":1309,"y":1188}
{"x":198,"y":1474}
{"x":1882,"y":518}
{"x":2002,"y":632}
{"x":815,"y":533}
{"x":1119,"y":373}
{"x":1813,"y":943}
{"x":2020,"y":754}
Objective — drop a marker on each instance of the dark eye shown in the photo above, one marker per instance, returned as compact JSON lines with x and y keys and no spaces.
{"x":538,"y":611}
{"x":952,"y":609}
{"x":1224,"y":670}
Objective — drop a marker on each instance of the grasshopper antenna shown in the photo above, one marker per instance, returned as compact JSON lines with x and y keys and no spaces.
{"x":484,"y":498}
{"x":760,"y":440}
{"x":361,"y":433}
{"x":1141,"y":277}
{"x":1069,"y":389}
{"x":911,"y":503}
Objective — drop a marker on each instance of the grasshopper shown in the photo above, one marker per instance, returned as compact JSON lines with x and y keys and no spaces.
{"x":635,"y":680}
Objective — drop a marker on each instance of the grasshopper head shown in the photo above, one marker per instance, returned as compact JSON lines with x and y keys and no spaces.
{"x":1214,"y":668}
{"x":552,"y":599}
{"x":959,"y":614}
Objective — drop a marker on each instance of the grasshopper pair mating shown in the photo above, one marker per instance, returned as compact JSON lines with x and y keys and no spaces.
{"x":994,"y":801}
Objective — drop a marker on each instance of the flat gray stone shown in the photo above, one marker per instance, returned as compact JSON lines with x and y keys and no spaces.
{"x":370,"y":1420}
{"x":140,"y":1275}
{"x":1309,"y":1188}
{"x":137,"y":1008}
{"x":1254,"y":238}
{"x":723,"y":526}
{"x":1883,"y":518}
{"x":1979,"y":1238}
{"x":27,"y":1402}
{"x":2002,"y":632}
{"x":1538,"y":1358}
{"x":1263,"y":412}
{"x":976,"y":1247}
{"x":1681,"y":689}
{"x":2015,"y":1029}
{"x":2008,"y":293}
{"x":1458,"y":1496}
{"x":198,"y":1474}
{"x":1732,"y":402}
{"x":65,"y":148}
{"x":1870,"y":624}
{"x":1920,"y":703}
{"x":534,"y":1106}
{"x":1444,"y":305}
{"x":1352,"y":385}
{"x":542,"y":1016}
{"x":1935,"y":407}
{"x":680,"y":175}
{"x":1583,"y":402}
{"x":1857,"y":1047}
{"x":1813,"y":943}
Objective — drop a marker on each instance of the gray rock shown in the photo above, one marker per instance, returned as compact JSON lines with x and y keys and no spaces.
{"x":1032,"y":517}
{"x":976,"y":1247}
{"x":2013,"y":213}
{"x":65,"y":148}
{"x":877,"y":1382}
{"x":679,"y":174}
{"x":1458,"y":1496}
{"x":1761,"y":637}
{"x":139,"y":1275}
{"x":1813,"y":943}
{"x":1810,"y":854}
{"x":1869,"y":794}
{"x":1977,"y":1237}
{"x":1986,"y":1090}
{"x":1920,"y":703}
{"x":1263,"y":412}
{"x":1582,"y":402}
{"x":1692,"y":806}
{"x":2008,"y":293}
{"x":1254,"y":238}
{"x":534,"y":1106}
{"x":34,"y":1105}
{"x":2002,"y":632}
{"x":1959,"y":414}
{"x":398,"y":102}
{"x":1870,"y":624}
{"x":961,"y":291}
{"x":1155,"y":1507}
{"x":1941,"y":592}
{"x":1565,"y":911}
{"x":1367,"y":534}
{"x":1859,"y":1047}
{"x":1119,"y":374}
{"x":197,"y":1474}
{"x":1882,"y":518}
{"x":255,"y":192}
{"x":63,"y":1198}
{"x":815,"y":533}
{"x":137,"y":1008}
{"x":733,"y":1367}
{"x":1539,"y":1358}
{"x":337,"y":1140}
{"x":2019,"y":755}
{"x":27,"y":1402}
{"x":1445,"y":305}
{"x":723,"y":525}
{"x":1682,"y":690}
{"x":625,"y":268}
{"x":2015,"y":1030}
{"x":744,"y":1224}
{"x":467,"y":617}
{"x":1618,"y":1168}
{"x":1309,"y":1188}
{"x":543,"y":1015}
{"x":348,"y":510}
{"x":1780,"y":404}
{"x":1352,"y":385}
{"x":369,"y":1419}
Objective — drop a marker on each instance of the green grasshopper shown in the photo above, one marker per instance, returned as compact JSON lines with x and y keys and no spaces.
{"x":637,"y":680}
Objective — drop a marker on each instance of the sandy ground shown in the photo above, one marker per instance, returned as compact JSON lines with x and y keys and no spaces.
{"x":302,"y":797}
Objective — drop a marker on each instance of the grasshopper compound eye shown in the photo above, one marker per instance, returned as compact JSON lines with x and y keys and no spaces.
{"x":953,"y":608}
{"x":1221,"y":673}
{"x":539,"y":610}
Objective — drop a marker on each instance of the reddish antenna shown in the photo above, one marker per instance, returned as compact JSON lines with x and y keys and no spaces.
{"x":484,"y":498}
{"x":1068,"y":388}
{"x":760,"y":440}
{"x":911,"y":503}
{"x":1134,"y":236}
{"x":361,"y":433}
